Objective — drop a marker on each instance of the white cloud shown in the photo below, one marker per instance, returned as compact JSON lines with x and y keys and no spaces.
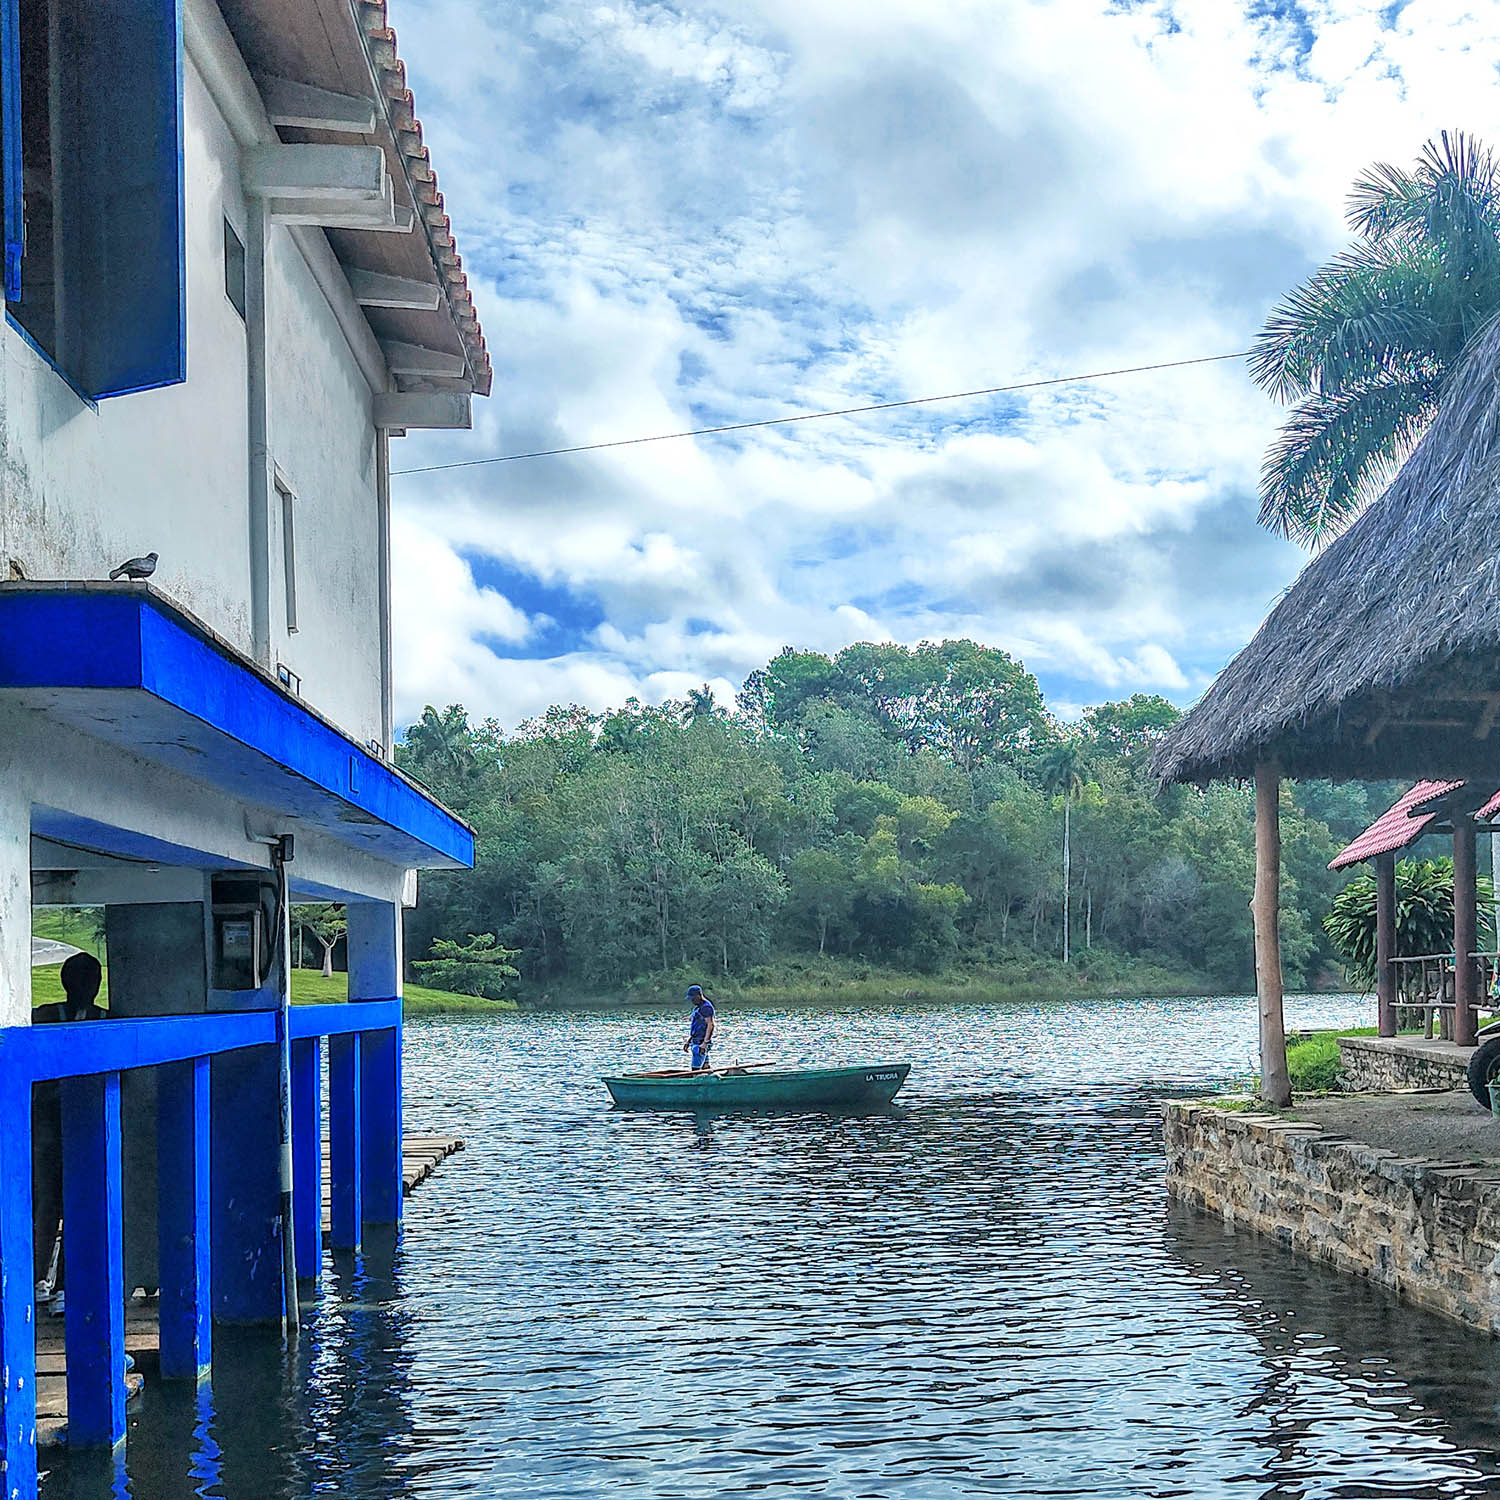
{"x":758,"y":207}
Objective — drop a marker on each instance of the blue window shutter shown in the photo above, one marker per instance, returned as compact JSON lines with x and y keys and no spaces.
{"x":10,"y":144}
{"x":130,"y":264}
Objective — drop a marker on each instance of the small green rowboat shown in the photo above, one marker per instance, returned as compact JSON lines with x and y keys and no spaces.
{"x":761,"y":1086}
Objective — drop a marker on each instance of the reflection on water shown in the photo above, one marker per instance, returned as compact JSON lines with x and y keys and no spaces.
{"x":978,"y":1292}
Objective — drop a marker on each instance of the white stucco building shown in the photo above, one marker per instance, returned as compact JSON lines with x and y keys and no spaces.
{"x":229,"y":282}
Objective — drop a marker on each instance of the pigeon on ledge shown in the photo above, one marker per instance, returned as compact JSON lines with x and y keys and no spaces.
{"x":136,"y":567}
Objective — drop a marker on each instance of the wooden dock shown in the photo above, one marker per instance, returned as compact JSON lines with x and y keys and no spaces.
{"x":420,"y":1158}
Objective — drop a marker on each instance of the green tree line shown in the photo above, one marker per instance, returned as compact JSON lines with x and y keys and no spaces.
{"x":905,"y":807}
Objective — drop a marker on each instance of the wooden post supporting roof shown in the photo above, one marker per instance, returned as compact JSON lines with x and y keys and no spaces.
{"x":1465,"y":925}
{"x":1385,"y":942}
{"x":1275,"y":1083}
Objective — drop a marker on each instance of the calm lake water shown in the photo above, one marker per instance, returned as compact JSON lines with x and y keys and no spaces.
{"x":982,"y":1292}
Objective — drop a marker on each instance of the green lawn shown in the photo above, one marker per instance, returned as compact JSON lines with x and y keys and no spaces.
{"x":69,"y":924}
{"x":308,"y":988}
{"x":1314,"y":1061}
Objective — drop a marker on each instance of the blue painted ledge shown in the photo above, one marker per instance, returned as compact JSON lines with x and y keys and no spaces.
{"x":30,"y":1054}
{"x":120,"y":663}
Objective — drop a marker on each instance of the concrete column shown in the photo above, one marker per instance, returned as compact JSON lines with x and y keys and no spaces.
{"x":345,"y":1150}
{"x":93,"y":1243}
{"x":374,"y":949}
{"x":17,"y":1305}
{"x":380,"y":1125}
{"x":184,"y":1213}
{"x":1465,"y":927}
{"x":307,"y":1156}
{"x":1385,"y":943}
{"x":15,"y":903}
{"x":245,"y":1185}
{"x":374,"y":946}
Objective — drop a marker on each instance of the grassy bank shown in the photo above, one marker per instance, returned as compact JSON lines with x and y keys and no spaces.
{"x":841,"y":981}
{"x":310,"y":988}
{"x":1313,"y":1059}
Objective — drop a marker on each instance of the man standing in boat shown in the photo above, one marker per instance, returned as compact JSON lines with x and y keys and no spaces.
{"x":700,"y":1026}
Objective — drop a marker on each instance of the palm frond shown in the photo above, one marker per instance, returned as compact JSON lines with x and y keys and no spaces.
{"x":1337,"y":450}
{"x":1382,"y":200}
{"x":1460,"y":204}
{"x":1366,"y":313}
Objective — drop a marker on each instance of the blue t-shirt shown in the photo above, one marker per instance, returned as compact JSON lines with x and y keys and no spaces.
{"x":702,"y":1014}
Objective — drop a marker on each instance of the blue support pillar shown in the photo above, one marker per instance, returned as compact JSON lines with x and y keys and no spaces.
{"x":380,"y":1125}
{"x":345,"y":1152}
{"x":307,"y":1157}
{"x":93,"y":1243}
{"x":183,"y":1210}
{"x":374,"y":950}
{"x":17,"y":1305}
{"x":245,"y":1183}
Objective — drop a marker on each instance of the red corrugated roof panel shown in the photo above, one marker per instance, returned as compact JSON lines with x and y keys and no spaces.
{"x":1396,"y":828}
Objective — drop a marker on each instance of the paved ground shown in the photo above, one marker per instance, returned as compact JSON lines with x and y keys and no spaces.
{"x":1447,"y":1126}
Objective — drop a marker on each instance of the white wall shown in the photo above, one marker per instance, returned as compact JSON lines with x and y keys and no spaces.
{"x":323,"y":444}
{"x":83,"y":488}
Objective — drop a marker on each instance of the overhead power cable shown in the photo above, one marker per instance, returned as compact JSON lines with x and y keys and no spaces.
{"x":818,"y":416}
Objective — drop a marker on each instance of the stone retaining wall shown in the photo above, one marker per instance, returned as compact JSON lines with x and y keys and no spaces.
{"x":1430,"y":1231}
{"x":1373,"y":1066}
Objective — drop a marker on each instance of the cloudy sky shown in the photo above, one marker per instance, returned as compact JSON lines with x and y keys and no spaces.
{"x":676,"y":216}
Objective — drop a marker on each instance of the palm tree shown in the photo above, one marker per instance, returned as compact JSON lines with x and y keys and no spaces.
{"x":700,"y":703}
{"x":1362,"y":348}
{"x":1063,"y":771}
{"x":442,"y":739}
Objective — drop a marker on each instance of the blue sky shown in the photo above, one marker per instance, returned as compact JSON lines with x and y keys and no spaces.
{"x":674,"y":216}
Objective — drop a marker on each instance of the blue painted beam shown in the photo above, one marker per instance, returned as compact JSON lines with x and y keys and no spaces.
{"x":17,"y":1299}
{"x":380,"y":1125}
{"x":113,"y":640}
{"x":94,"y":1320}
{"x":32,"y":1054}
{"x":307,"y":1156}
{"x":345,"y":1154}
{"x":353,"y":1015}
{"x":245,"y":1185}
{"x":184,"y":1240}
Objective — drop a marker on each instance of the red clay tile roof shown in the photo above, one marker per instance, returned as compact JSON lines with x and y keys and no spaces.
{"x":1396,"y":828}
{"x":380,"y":43}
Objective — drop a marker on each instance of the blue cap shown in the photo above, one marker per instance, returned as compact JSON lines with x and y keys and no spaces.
{"x":695,"y":992}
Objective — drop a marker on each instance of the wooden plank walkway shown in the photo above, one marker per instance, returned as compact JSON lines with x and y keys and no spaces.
{"x":420,"y":1158}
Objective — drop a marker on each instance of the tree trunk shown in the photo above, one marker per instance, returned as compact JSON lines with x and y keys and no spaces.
{"x":822,"y":935}
{"x":1088,"y":918}
{"x":1067,"y":871}
{"x":328,"y":958}
{"x":1275,"y":1083}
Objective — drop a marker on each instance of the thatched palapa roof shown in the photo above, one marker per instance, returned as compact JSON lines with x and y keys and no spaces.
{"x":1383,"y":658}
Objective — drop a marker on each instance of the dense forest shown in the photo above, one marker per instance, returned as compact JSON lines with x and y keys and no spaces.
{"x":911,"y":809}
